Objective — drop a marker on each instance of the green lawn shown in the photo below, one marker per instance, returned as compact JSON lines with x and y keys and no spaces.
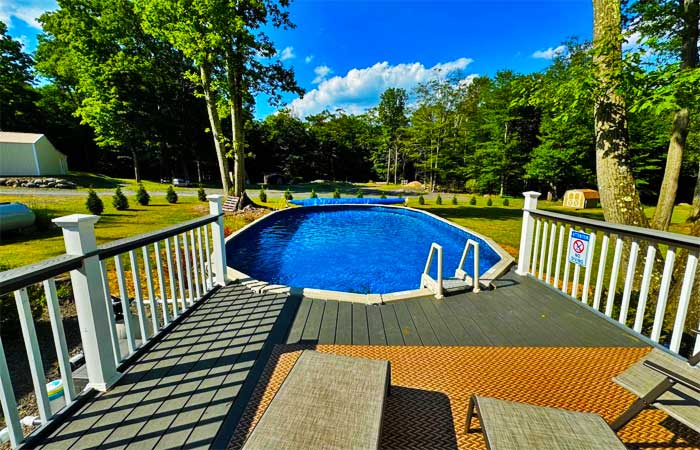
{"x":100,"y":183}
{"x":501,"y":223}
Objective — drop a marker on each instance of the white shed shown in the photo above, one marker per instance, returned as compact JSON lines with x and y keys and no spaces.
{"x":30,"y":154}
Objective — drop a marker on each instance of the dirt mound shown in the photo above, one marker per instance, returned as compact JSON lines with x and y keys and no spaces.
{"x":414,"y":185}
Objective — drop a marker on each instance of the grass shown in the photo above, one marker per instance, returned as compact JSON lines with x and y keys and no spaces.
{"x":85,"y":180}
{"x":19,"y":248}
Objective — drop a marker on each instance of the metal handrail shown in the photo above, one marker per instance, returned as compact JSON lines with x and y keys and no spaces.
{"x":426,"y":279}
{"x":461,"y":273}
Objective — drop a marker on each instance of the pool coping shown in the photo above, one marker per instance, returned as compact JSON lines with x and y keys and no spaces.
{"x":485,"y":279}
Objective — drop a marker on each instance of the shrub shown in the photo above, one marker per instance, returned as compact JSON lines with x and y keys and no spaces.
{"x":94,"y":203}
{"x":142,"y":196}
{"x":506,"y":202}
{"x":262,"y":196}
{"x":454,"y":199}
{"x":489,"y":202}
{"x":438,"y":200}
{"x":336,"y":193}
{"x":382,"y":196}
{"x":119,"y":200}
{"x":421,"y":200}
{"x":288,"y":195}
{"x":313,"y":194}
{"x":42,"y":219}
{"x":171,"y":195}
{"x":201,"y":194}
{"x":360,"y":194}
{"x":472,"y":201}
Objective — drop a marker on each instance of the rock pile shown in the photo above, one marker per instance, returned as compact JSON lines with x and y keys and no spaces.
{"x":26,"y":182}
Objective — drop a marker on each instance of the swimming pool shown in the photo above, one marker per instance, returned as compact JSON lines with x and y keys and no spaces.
{"x":358,"y":249}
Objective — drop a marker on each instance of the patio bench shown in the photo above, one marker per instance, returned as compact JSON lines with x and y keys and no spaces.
{"x":326,"y":402}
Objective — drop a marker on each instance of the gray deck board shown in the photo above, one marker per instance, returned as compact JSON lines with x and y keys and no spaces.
{"x":189,"y":389}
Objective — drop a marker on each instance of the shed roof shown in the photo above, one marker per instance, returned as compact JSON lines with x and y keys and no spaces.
{"x":19,"y":138}
{"x":587,"y":193}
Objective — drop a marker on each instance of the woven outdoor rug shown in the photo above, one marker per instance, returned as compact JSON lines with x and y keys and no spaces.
{"x":431,"y":387}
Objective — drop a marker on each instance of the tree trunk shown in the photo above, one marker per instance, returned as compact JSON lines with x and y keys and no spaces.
{"x":618,"y":192}
{"x":396,"y":160}
{"x":137,"y":168}
{"x":674,"y":160}
{"x":695,"y":211}
{"x":215,"y":123}
{"x":691,"y":33}
{"x":388,"y":163}
{"x":235,"y":85}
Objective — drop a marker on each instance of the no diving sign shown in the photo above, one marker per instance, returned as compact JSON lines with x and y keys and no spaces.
{"x":578,"y":247}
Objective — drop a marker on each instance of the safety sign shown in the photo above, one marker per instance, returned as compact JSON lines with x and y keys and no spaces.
{"x":578,"y":247}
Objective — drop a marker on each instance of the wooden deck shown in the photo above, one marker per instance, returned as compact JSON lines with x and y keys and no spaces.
{"x":189,"y":390}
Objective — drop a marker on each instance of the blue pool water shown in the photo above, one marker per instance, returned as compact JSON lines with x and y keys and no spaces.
{"x":362,"y":249}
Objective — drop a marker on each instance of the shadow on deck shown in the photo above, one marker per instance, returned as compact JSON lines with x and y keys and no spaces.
{"x":191,"y":389}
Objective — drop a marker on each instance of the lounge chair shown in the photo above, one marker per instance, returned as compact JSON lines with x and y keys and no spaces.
{"x":326,"y":402}
{"x":664,"y":382}
{"x":660,"y":380}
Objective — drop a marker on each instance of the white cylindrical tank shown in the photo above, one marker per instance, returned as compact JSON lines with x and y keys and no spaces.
{"x":14,"y":216}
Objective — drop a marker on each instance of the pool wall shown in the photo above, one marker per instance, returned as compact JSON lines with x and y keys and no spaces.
{"x":485,"y":279}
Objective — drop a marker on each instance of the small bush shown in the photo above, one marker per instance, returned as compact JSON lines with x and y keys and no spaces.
{"x":400,"y":195}
{"x":142,"y":196}
{"x":288,"y":195}
{"x":454,"y":200}
{"x":171,"y":195}
{"x":472,"y":201}
{"x":42,"y":219}
{"x":421,"y":200}
{"x":262,"y":196}
{"x":360,"y":194}
{"x":489,"y":202}
{"x":506,"y":202}
{"x":94,"y":203}
{"x":336,"y":193}
{"x":382,"y":196}
{"x":119,"y":200}
{"x":313,"y":194}
{"x":438,"y":200}
{"x":201,"y":194}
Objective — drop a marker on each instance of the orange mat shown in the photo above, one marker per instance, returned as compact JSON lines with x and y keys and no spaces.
{"x":431,"y":387}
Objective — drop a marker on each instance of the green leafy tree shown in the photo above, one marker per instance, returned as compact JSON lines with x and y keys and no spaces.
{"x":227,"y":43}
{"x":17,"y":95}
{"x":392,"y":114}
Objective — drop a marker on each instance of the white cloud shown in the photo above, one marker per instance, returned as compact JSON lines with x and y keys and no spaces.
{"x":308,"y":59}
{"x":550,"y":53}
{"x":287,"y":53}
{"x":321,"y":73}
{"x":632,"y":41}
{"x":359,"y":89}
{"x":26,"y":11}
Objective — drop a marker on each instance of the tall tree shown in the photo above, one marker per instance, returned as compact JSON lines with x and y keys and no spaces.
{"x":670,"y":29}
{"x":17,"y":96}
{"x":234,"y":56}
{"x":618,"y":192}
{"x":392,"y":114}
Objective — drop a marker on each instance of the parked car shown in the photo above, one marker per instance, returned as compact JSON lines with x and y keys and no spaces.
{"x":181,"y":182}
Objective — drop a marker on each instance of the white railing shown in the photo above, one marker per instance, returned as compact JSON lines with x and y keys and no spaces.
{"x":426,"y":280}
{"x":461,"y":274}
{"x":614,"y":283}
{"x":190,"y":256}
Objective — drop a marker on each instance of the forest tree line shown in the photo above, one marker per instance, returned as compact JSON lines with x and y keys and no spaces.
{"x":148,"y":87}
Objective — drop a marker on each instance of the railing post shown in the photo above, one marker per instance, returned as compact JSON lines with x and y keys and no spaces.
{"x":90,"y":301}
{"x":217,"y":231}
{"x":526,"y":232}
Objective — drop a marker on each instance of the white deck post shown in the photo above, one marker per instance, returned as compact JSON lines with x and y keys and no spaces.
{"x":217,"y":231}
{"x":526,"y":232}
{"x":90,"y":301}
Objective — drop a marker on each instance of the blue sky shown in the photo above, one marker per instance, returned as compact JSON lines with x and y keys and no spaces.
{"x":345,"y":53}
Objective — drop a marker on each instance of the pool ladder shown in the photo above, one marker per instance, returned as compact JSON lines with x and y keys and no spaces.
{"x":461,"y":280}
